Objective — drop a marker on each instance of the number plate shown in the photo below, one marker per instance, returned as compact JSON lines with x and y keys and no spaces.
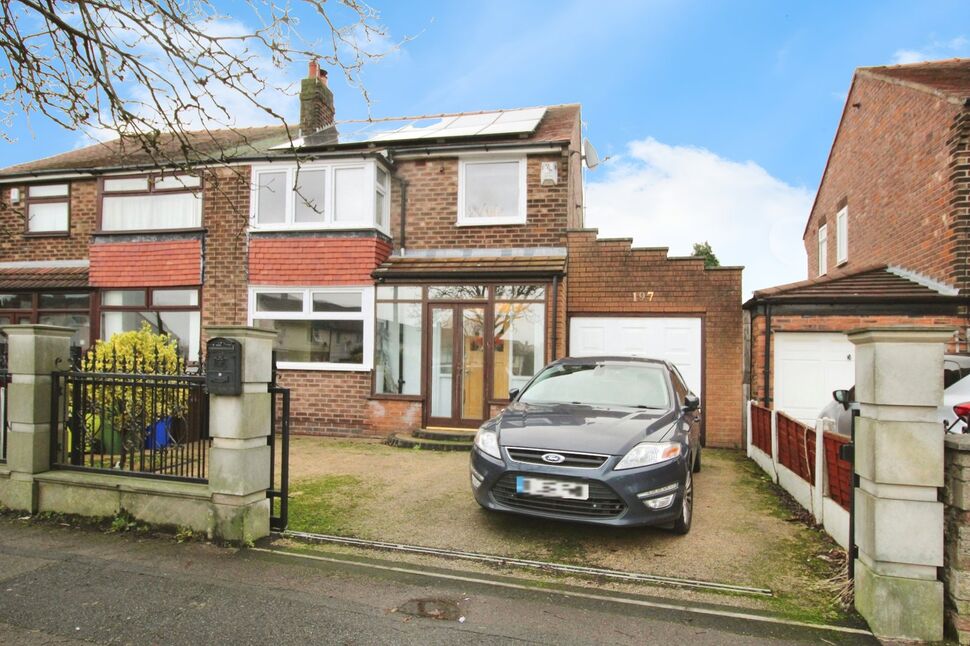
{"x":551,"y":488}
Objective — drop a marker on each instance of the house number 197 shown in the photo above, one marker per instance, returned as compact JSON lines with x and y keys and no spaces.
{"x":642,"y":297}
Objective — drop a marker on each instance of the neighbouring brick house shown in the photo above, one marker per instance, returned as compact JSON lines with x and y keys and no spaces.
{"x":415,"y":270}
{"x":888,"y":237}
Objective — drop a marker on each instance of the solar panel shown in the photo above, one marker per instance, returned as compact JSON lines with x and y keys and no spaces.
{"x":499,"y":122}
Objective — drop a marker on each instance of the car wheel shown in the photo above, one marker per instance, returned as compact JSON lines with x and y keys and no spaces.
{"x":682,"y":524}
{"x":697,"y":461}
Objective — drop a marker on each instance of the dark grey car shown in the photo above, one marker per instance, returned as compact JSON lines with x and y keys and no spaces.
{"x":605,"y":440}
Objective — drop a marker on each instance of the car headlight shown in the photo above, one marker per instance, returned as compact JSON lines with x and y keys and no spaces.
{"x":646,"y":453}
{"x":487,"y":443}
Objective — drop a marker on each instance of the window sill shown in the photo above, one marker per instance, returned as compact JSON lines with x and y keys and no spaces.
{"x":490,"y":222}
{"x":47,"y":234}
{"x":135,"y":232}
{"x":393,"y":397}
{"x":322,"y":367}
{"x":296,"y":229}
{"x":842,"y":263}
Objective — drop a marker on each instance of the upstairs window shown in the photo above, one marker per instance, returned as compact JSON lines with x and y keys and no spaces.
{"x":842,"y":235}
{"x":492,"y":191}
{"x":48,"y":208}
{"x":150,"y":203}
{"x":321,"y":196}
{"x":823,"y":249}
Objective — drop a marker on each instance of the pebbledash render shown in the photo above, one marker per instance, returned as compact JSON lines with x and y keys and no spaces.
{"x":415,"y":270}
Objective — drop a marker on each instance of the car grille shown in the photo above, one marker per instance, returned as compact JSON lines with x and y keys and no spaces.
{"x":602,"y":502}
{"x":573,"y":459}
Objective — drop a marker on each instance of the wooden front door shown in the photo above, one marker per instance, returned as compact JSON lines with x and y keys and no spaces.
{"x":456,"y":365}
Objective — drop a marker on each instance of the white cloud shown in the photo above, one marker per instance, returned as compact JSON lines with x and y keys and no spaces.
{"x":934,"y":50}
{"x":674,"y":196}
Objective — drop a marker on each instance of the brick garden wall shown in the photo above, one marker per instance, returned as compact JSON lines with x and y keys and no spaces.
{"x":956,"y":541}
{"x":331,"y":403}
{"x":891,"y":164}
{"x":816,"y":323}
{"x":603,"y":274}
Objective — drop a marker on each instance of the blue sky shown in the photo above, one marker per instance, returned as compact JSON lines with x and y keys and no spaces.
{"x":712,"y":110}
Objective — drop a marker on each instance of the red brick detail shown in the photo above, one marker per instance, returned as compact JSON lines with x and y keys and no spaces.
{"x":315,"y":261}
{"x":602,"y":276}
{"x":146,"y":264}
{"x":386,"y":416}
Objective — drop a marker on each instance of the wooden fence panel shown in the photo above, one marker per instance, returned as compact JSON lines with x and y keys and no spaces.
{"x":761,"y":427}
{"x":839,"y":470}
{"x":796,"y":447}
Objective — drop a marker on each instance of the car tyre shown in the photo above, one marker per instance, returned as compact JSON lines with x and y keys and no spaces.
{"x":682,"y":524}
{"x":697,"y":461}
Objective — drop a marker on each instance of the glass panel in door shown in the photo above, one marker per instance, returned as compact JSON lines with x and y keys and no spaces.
{"x":442,"y":373}
{"x":473,"y":363}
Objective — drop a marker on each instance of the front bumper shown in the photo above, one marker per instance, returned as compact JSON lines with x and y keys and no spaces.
{"x":613,"y":494}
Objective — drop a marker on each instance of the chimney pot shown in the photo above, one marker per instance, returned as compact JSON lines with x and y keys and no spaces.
{"x":316,"y":100}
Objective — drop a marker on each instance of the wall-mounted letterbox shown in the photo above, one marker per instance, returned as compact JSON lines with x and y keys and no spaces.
{"x":223,"y":366}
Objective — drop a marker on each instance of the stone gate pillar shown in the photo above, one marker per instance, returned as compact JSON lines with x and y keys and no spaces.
{"x":33,"y":352}
{"x":899,"y":461}
{"x":239,"y":471}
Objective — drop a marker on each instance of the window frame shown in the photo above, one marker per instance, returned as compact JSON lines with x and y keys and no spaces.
{"x":152,"y":178}
{"x":842,"y":236}
{"x":366,"y":314}
{"x":65,"y":199}
{"x":523,"y":202}
{"x":99,"y":308}
{"x":422,"y":302}
{"x":823,"y":250}
{"x":370,"y":220}
{"x":35,"y":311}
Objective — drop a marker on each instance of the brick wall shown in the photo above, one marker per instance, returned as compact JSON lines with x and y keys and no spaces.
{"x":225,"y":215}
{"x":890,"y":164}
{"x":333,"y":403}
{"x":164,"y":263}
{"x":316,"y":261}
{"x":956,"y":541}
{"x":432,"y":208}
{"x":603,"y":274}
{"x":15,"y":245}
{"x":816,"y":323}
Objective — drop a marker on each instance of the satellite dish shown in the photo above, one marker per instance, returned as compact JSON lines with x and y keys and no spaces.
{"x":590,"y":155}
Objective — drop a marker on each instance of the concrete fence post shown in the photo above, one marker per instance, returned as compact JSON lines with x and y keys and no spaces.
{"x":820,"y":485}
{"x":899,"y":461}
{"x":774,"y":445}
{"x":239,"y":469}
{"x":33,"y":352}
{"x":749,"y":432}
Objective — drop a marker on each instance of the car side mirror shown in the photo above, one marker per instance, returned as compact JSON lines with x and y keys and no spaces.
{"x":842,"y":396}
{"x":691,"y":402}
{"x":513,"y":393}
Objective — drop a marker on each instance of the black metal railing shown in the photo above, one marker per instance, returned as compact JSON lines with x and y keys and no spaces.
{"x":120,"y":420}
{"x":4,"y":381}
{"x":279,"y":450}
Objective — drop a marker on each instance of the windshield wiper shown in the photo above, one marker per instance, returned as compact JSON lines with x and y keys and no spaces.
{"x":644,"y":406}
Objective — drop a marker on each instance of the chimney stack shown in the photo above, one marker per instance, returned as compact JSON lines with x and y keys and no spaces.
{"x":316,"y":101}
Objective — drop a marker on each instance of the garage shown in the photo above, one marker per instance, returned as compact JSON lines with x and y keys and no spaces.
{"x":677,"y":340}
{"x":808,"y":367}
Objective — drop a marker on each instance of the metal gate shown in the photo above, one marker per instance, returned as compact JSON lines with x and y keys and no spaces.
{"x":279,"y":449}
{"x":4,"y":380}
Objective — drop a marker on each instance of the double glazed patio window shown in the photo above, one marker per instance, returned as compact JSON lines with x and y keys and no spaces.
{"x":317,"y":328}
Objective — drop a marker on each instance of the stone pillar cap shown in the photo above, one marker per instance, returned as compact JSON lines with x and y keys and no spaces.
{"x":244,"y":331}
{"x":901,"y":334}
{"x":37,"y":330}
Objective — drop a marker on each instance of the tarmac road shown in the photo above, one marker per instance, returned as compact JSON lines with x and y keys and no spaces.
{"x":60,"y":585}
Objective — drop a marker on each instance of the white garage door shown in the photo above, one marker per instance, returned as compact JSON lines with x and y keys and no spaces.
{"x":808,"y":367}
{"x":677,"y":340}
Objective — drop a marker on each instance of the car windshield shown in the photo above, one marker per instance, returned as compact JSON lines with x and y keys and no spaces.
{"x":600,"y":384}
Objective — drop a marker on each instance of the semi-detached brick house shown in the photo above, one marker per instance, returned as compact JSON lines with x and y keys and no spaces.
{"x":415,"y":270}
{"x":888,"y":237}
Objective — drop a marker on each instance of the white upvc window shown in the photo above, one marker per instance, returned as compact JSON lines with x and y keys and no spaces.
{"x":316,"y":195}
{"x":48,"y":208}
{"x":823,"y":249}
{"x":318,"y":328}
{"x":842,"y":235}
{"x":492,"y":190}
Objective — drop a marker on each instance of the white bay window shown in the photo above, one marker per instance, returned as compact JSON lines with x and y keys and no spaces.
{"x":319,"y":195}
{"x":318,"y":328}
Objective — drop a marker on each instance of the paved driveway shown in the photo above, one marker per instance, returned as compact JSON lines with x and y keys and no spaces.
{"x":741,"y":534}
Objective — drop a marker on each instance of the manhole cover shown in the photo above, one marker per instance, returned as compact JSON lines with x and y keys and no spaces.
{"x":444,"y":609}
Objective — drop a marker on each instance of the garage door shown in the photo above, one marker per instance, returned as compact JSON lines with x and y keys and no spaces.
{"x":677,"y":340}
{"x":808,"y":367}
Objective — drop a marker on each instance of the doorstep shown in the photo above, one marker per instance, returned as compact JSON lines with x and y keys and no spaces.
{"x":433,"y":439}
